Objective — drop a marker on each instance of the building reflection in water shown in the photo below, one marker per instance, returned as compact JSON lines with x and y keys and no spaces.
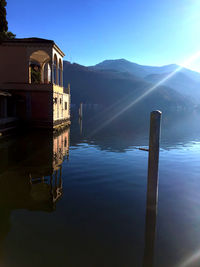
{"x":33,"y":177}
{"x":30,"y":174}
{"x":49,"y":188}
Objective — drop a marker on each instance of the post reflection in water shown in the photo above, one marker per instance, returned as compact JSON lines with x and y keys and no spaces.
{"x":80,"y":120}
{"x":31,"y":176}
{"x":150,"y":233}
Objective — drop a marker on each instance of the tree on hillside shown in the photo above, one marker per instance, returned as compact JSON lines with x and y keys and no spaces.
{"x":4,"y":34}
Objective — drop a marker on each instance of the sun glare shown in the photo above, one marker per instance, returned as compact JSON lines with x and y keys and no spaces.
{"x":186,"y":63}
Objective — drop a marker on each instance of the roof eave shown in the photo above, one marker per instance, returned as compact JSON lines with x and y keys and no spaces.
{"x":58,"y":50}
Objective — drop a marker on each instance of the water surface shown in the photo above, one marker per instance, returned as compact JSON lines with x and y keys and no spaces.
{"x":79,"y":198}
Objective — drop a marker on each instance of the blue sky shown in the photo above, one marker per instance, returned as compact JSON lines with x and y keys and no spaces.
{"x":149,"y":32}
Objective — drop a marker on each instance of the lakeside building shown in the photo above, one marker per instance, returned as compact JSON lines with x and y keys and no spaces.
{"x":31,"y":84}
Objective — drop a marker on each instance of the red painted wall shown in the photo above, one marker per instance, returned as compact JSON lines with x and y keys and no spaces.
{"x":35,"y":107}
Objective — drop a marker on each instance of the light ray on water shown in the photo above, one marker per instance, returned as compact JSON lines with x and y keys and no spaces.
{"x":190,"y":261}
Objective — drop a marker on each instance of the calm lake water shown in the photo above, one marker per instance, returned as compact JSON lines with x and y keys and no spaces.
{"x":79,"y":198}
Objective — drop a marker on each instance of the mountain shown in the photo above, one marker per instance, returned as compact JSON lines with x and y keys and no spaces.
{"x":122,"y":65}
{"x":180,"y":82}
{"x":107,"y":87}
{"x":184,"y":81}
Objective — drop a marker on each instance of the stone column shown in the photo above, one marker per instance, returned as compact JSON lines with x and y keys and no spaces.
{"x":29,"y":72}
{"x":52,"y":73}
{"x":61,"y":77}
{"x":42,"y":72}
{"x":57,"y":74}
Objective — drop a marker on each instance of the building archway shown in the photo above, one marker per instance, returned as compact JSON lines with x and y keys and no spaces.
{"x":37,"y":62}
{"x":60,"y":73}
{"x":35,"y":72}
{"x":47,"y":72}
{"x":55,"y":69}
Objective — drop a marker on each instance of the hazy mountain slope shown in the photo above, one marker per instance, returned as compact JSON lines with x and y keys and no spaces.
{"x":143,"y":70}
{"x":191,"y":74}
{"x":107,"y":87}
{"x":184,"y":81}
{"x":180,"y":82}
{"x":123,"y":65}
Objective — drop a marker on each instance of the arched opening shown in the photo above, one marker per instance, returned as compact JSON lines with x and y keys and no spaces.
{"x":38,"y":73}
{"x":47,"y":73}
{"x":55,"y":69}
{"x":60,"y":73}
{"x":35,"y":72}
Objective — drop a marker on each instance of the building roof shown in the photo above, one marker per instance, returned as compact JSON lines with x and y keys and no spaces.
{"x":29,"y":40}
{"x":32,"y":40}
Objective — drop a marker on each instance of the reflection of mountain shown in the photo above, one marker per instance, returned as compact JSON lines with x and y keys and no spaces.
{"x":132,"y":129}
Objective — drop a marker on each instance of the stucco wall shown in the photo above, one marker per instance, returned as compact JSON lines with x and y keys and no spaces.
{"x":61,"y":106}
{"x":14,"y":66}
{"x":15,"y":58}
{"x":35,"y":107}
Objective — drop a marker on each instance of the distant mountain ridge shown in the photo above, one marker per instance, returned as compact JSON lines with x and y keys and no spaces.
{"x":143,"y":70}
{"x":107,"y":87}
{"x":123,"y":65}
{"x":184,"y":81}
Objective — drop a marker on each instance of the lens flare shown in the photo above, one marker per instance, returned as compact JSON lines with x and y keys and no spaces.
{"x":190,"y":261}
{"x":150,"y":90}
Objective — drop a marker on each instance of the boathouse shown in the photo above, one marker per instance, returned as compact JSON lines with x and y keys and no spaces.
{"x":31,"y":84}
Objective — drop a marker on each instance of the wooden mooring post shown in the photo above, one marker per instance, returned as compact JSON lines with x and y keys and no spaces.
{"x":81,"y":111}
{"x":152,"y":188}
{"x":154,"y":148}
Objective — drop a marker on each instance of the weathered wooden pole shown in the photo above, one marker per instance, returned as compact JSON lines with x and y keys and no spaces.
{"x":154,"y":147}
{"x":152,"y":188}
{"x":81,"y":111}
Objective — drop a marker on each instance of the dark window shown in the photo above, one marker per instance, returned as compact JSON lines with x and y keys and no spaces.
{"x":55,"y":100}
{"x":65,"y":143}
{"x":60,"y":100}
{"x":65,"y":105}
